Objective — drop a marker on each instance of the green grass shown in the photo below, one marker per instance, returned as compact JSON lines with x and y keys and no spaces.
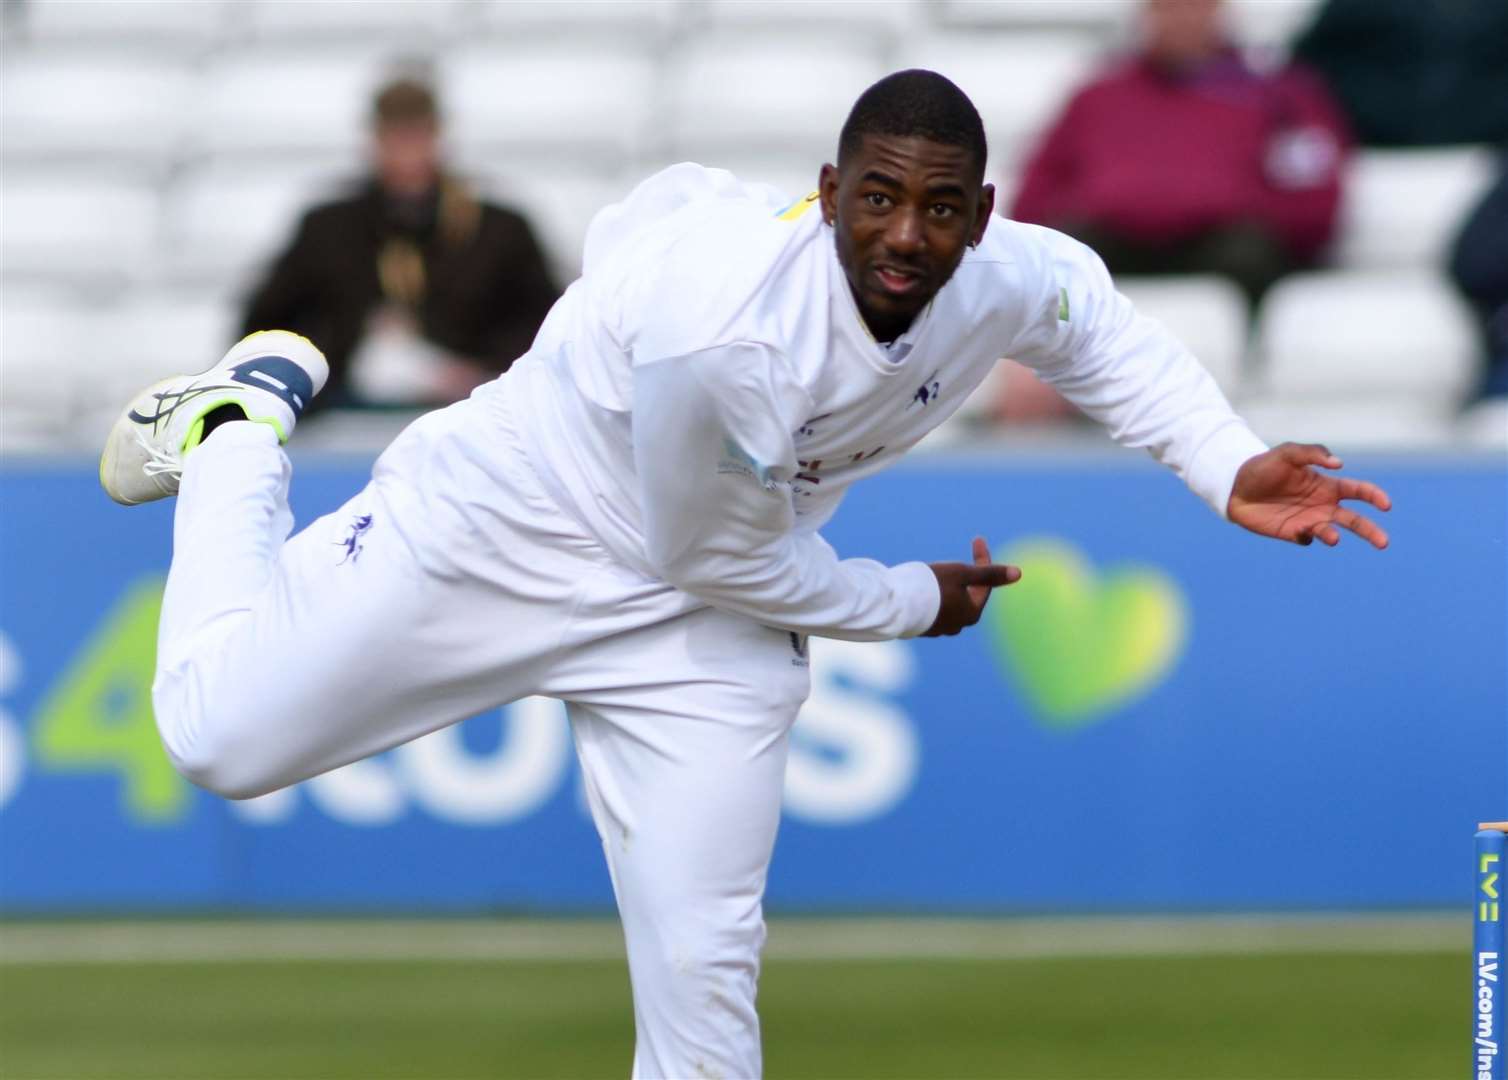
{"x":1294,"y":1017}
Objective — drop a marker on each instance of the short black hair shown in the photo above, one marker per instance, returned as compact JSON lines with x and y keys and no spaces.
{"x":915,"y":103}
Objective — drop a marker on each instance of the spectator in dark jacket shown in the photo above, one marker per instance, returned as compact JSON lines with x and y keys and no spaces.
{"x":1479,"y":266}
{"x":413,"y":265}
{"x":1186,"y":158}
{"x":1415,"y":72}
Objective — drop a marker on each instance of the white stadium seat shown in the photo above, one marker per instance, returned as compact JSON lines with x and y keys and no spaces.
{"x":1269,"y":23}
{"x":626,"y":18}
{"x":1485,"y":424}
{"x":78,"y":229}
{"x":401,"y":23}
{"x":125,"y":346}
{"x":1019,"y":83}
{"x":224,"y":223}
{"x":1363,"y":422}
{"x":592,"y":99}
{"x":559,"y":207}
{"x":92,"y":104}
{"x":154,"y":333}
{"x":271,"y":101}
{"x":793,"y":175}
{"x":139,"y":21}
{"x":1381,"y":358}
{"x":1403,"y":207}
{"x":1101,"y":15}
{"x":1206,"y":313}
{"x":756,"y":93}
{"x":44,"y":338}
{"x":878,"y":20}
{"x":1340,"y":332}
{"x":1263,"y":23}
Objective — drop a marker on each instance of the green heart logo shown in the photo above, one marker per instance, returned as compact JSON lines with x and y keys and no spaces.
{"x":1079,"y":644}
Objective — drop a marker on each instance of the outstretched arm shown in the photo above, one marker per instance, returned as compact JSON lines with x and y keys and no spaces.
{"x":1123,"y":369}
{"x":1280,"y":494}
{"x":1129,"y":373}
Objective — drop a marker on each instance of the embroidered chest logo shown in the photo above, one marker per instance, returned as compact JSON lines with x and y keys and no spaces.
{"x":927,"y":392}
{"x":359,"y":527}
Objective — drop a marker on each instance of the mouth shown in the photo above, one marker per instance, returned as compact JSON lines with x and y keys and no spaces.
{"x":898,"y":280}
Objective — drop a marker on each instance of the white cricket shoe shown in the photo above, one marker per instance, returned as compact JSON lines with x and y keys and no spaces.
{"x":271,"y":375}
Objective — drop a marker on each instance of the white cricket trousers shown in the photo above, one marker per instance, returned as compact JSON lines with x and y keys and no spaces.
{"x":451,"y":585}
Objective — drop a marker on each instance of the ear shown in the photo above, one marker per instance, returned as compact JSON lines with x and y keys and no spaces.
{"x":827,"y":189}
{"x":985,"y":209}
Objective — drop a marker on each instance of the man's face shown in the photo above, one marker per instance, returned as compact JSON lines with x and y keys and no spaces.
{"x":408,"y":158}
{"x":904,"y":209}
{"x":1178,"y":33}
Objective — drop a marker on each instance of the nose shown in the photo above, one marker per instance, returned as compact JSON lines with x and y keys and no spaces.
{"x":906,"y":233}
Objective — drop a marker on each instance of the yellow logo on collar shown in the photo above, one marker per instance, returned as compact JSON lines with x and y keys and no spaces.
{"x":797,"y":208}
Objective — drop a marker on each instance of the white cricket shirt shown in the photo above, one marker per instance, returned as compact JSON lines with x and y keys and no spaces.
{"x":702,"y":397}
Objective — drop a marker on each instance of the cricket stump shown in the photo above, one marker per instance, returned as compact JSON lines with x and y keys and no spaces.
{"x":1487,"y":988}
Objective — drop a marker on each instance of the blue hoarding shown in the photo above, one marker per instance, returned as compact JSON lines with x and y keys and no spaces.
{"x":1166,"y":713}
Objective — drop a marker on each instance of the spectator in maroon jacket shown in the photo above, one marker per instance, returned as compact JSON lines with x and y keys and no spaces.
{"x":1186,"y":158}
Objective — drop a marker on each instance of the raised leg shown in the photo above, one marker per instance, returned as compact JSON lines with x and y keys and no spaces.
{"x":381,"y":622}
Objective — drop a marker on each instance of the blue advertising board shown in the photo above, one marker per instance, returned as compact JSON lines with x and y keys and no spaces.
{"x":1165,"y":714}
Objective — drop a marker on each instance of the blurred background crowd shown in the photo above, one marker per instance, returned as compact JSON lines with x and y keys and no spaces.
{"x":1310,"y":193}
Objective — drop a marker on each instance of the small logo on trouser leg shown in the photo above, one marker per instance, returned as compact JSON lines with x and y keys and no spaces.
{"x":359,"y":527}
{"x":798,"y":646}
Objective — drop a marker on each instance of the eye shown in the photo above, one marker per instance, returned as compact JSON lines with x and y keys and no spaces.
{"x":877,"y":200}
{"x":943,"y":210}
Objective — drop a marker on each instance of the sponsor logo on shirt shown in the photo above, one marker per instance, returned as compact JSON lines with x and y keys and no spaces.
{"x":811,"y":469}
{"x":736,"y":461}
{"x":799,"y":207}
{"x":809,"y":428}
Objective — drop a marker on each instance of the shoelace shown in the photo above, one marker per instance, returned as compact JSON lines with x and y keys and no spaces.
{"x":160,"y":462}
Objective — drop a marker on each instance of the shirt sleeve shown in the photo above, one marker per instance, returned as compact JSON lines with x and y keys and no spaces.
{"x":1126,"y":371}
{"x":715,"y":458}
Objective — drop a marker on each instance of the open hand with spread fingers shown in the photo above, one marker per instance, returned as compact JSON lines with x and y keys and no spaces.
{"x":1283,"y":495}
{"x":965,"y":589}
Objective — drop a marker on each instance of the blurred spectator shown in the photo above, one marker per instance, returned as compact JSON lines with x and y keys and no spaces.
{"x":1019,"y":397}
{"x":1185,"y":158}
{"x":412,"y":284}
{"x":1415,"y":72}
{"x":1479,"y":265}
